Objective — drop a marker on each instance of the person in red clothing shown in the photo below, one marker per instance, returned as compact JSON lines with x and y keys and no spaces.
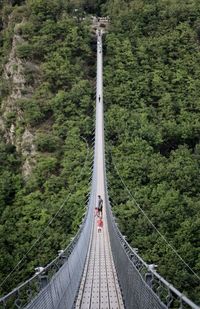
{"x":96,"y":211}
{"x":99,"y":224}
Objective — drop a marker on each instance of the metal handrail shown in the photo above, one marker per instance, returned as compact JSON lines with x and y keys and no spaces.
{"x":172,"y":297}
{"x":142,"y":279}
{"x":43,"y":271}
{"x":26,"y":292}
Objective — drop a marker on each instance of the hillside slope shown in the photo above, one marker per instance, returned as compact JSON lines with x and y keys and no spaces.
{"x":152,"y":91}
{"x":152,"y":112}
{"x":46,"y":123}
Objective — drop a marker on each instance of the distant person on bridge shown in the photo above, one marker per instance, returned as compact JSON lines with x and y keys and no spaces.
{"x":99,"y":225}
{"x":100,"y":206}
{"x":99,"y":98}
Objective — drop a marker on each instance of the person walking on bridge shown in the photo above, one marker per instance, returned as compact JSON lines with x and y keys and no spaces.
{"x":99,"y":225}
{"x":100,"y":206}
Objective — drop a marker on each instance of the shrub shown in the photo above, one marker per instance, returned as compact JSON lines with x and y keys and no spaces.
{"x":24,"y":51}
{"x":47,"y":142}
{"x":32,"y":111}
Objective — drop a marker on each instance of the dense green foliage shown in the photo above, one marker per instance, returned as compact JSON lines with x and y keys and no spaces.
{"x":55,"y":49}
{"x":152,"y":91}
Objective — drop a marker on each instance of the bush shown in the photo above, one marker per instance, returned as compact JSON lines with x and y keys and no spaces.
{"x":45,"y":168}
{"x":4,"y":88}
{"x":24,"y":29}
{"x":10,"y":118}
{"x":24,"y":51}
{"x":32,"y":111}
{"x":47,"y":142}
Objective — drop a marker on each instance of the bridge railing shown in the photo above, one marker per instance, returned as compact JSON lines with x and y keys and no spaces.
{"x":141,"y":285}
{"x":55,"y":285}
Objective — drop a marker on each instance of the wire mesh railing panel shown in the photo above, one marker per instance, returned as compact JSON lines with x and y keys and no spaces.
{"x":136,"y":292}
{"x":56,"y":285}
{"x":45,"y":300}
{"x":61,"y":291}
{"x":142,"y":287}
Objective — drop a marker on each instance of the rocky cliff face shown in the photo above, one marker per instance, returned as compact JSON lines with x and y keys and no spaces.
{"x":11,"y":114}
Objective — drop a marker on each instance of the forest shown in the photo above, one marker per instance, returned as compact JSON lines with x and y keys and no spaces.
{"x":152,"y":128}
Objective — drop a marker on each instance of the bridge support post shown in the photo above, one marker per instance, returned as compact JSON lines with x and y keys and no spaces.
{"x":43,"y":281}
{"x":149,"y":279}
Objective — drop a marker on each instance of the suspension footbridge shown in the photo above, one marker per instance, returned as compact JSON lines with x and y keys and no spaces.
{"x":99,"y":285}
{"x":98,"y":270}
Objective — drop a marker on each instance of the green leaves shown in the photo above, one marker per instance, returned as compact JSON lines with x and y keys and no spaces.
{"x":47,"y":142}
{"x":24,"y":51}
{"x":56,"y":107}
{"x":43,"y":10}
{"x":152,"y":127}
